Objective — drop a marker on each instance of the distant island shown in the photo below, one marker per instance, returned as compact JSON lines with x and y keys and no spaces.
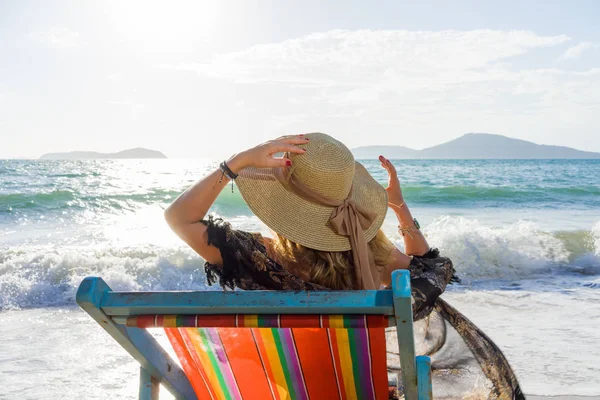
{"x":91,"y":155}
{"x":477,"y":146}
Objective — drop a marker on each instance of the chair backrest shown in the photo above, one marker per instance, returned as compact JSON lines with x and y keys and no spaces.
{"x":278,"y":356}
{"x":295,"y":343}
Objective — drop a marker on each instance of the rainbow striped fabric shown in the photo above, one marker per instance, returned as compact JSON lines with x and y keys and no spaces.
{"x":343,"y":357}
{"x":255,"y":321}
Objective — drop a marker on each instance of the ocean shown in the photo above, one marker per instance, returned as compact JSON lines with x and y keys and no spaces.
{"x":524,"y":236}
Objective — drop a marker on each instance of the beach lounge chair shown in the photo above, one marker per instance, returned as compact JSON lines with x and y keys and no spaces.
{"x":264,"y":344}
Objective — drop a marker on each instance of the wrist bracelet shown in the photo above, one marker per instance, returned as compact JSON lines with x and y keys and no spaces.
{"x":415,"y":227}
{"x":227,"y":171}
{"x":407,"y":231}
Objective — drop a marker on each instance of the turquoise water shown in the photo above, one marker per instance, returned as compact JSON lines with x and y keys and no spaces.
{"x":36,"y":188}
{"x":500,"y":219}
{"x":523,"y":235}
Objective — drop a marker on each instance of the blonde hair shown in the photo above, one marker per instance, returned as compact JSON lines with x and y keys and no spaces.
{"x":332,"y":269}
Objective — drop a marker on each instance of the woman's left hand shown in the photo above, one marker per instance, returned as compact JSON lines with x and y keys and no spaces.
{"x":393,"y":190}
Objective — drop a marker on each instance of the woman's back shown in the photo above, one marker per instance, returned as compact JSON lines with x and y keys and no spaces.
{"x":327,"y":211}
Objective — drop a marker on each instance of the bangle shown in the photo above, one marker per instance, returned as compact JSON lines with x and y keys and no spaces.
{"x":410,"y":229}
{"x":398,"y":205}
{"x":407,"y":231}
{"x":227,"y":171}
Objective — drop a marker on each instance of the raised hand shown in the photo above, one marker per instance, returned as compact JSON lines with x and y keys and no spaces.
{"x":261,"y":156}
{"x":393,"y":190}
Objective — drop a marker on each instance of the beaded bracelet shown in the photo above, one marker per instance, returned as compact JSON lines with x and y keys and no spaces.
{"x":226,"y":171}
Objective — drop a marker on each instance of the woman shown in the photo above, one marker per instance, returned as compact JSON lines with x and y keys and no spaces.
{"x":326,"y":211}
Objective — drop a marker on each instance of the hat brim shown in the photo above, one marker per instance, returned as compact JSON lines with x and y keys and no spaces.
{"x":303,"y":221}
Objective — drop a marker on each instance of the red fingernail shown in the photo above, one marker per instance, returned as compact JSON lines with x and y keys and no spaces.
{"x":288,"y":163}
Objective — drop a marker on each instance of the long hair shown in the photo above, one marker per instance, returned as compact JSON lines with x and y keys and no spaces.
{"x":332,"y":269}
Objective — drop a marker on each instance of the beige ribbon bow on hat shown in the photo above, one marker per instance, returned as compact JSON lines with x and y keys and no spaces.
{"x":347,"y":219}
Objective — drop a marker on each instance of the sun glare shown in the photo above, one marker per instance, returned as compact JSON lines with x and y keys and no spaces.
{"x":164,"y":27}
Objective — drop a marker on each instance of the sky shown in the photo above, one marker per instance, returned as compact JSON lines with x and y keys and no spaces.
{"x":210,"y":78}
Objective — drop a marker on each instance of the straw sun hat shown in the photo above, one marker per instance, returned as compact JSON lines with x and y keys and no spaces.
{"x":327,"y":170}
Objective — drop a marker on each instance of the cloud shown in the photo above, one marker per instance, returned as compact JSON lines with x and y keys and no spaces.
{"x":424,"y":81}
{"x":56,"y":37}
{"x":575,"y":52}
{"x":416,"y":70}
{"x":351,"y":58}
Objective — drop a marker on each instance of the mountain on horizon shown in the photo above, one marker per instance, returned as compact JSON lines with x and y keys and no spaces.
{"x":477,"y":146}
{"x":92,"y":155}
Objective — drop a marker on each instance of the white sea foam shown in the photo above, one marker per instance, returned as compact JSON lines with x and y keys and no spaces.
{"x":596,"y":236}
{"x":514,"y":250}
{"x":48,"y":275}
{"x":589,"y":263}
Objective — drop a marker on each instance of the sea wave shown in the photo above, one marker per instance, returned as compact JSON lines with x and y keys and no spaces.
{"x":452,"y":196}
{"x":499,"y":195}
{"x":58,"y":200}
{"x":42,"y":276}
{"x":49,"y":276}
{"x":33,"y":200}
{"x":513,"y":251}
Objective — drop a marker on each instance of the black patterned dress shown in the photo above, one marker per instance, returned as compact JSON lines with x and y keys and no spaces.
{"x":466,"y":364}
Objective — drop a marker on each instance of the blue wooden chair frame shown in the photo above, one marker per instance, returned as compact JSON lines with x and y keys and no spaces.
{"x":111,"y":309}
